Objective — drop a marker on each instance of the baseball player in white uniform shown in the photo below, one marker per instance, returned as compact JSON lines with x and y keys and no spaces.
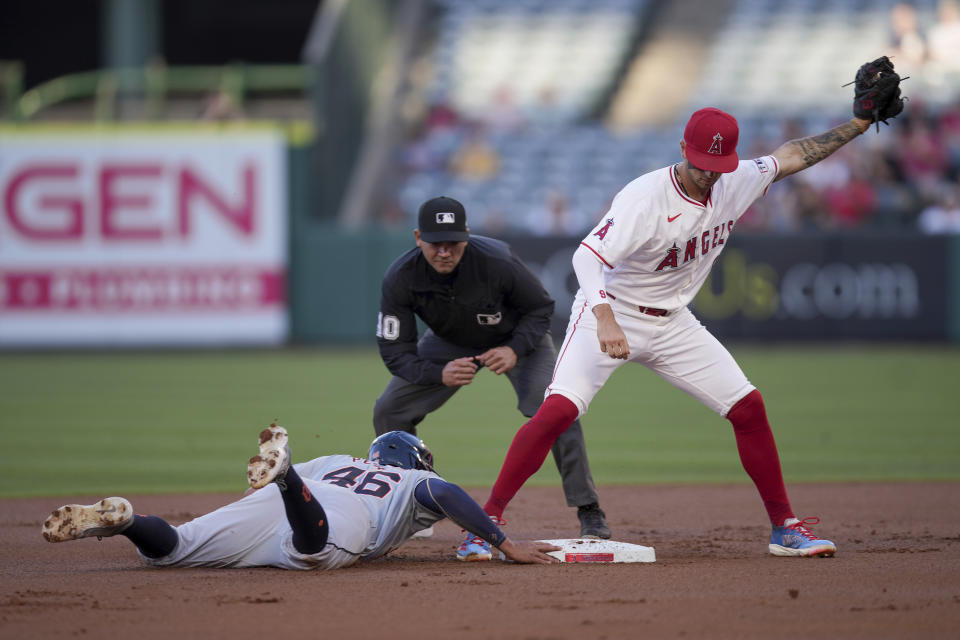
{"x":327,"y":513}
{"x":638,"y":269}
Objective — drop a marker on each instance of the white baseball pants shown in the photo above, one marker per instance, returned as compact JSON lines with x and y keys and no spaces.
{"x":676,"y":347}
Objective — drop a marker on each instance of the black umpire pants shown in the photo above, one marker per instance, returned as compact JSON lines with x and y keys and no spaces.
{"x":403,"y":405}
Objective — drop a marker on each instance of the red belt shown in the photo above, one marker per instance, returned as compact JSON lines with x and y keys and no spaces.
{"x":650,"y":311}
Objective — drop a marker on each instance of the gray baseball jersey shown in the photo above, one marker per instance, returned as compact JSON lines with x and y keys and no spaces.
{"x":370,"y":511}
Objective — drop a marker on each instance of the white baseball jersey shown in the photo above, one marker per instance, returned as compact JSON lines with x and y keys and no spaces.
{"x":370,"y":511}
{"x":658,"y":245}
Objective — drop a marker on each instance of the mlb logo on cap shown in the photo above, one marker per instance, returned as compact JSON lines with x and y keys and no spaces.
{"x":443,"y":219}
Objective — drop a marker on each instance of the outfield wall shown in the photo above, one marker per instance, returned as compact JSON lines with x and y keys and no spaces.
{"x":208,"y":235}
{"x":864,"y":286}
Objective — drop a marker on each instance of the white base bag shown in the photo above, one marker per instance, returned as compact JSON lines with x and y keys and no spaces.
{"x":589,"y":550}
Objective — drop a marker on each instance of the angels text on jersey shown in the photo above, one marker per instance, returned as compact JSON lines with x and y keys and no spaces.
{"x":702,"y":242}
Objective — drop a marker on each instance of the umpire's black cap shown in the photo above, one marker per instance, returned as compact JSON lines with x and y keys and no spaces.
{"x":443,"y":219}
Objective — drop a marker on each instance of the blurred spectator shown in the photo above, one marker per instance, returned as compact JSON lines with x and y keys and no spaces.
{"x":430,"y":148}
{"x":852,"y":204}
{"x":441,"y":114}
{"x":909,"y":47}
{"x":494,"y":223}
{"x":503,"y":115}
{"x":777,"y":212}
{"x":220,"y":105}
{"x":547,"y":113}
{"x":945,"y":36}
{"x":423,"y":154}
{"x":476,"y":159}
{"x":922,"y":154}
{"x":761,"y":214}
{"x":896,"y":204}
{"x":768,"y":212}
{"x":553,"y":217}
{"x":948,"y":126}
{"x":809,"y":212}
{"x":943,"y":216}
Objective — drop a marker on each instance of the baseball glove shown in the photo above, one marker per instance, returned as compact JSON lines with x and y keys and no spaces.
{"x":876,"y":92}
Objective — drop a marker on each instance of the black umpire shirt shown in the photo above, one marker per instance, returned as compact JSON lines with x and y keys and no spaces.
{"x":490,"y":299}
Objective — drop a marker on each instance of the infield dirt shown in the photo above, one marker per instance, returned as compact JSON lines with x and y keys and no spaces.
{"x":896,"y":575}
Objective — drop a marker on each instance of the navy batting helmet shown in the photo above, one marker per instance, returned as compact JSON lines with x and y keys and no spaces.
{"x":401,"y":449}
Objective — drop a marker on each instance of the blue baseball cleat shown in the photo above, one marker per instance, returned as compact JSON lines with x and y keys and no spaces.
{"x":474,"y":549}
{"x":794,"y":538}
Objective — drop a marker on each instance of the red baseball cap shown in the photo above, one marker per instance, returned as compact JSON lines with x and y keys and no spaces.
{"x":711,"y":140}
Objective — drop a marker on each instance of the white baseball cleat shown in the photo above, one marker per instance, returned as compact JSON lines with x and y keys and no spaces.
{"x":106,"y":518}
{"x":273,"y":460}
{"x":424,"y":533}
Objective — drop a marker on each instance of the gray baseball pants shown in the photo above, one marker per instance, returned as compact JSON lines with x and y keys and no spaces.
{"x":403,"y":405}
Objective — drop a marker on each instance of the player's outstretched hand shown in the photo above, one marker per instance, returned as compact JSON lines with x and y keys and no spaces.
{"x":527,"y":552}
{"x":459,"y":372}
{"x":499,"y":359}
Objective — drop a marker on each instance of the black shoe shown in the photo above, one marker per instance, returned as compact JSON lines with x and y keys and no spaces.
{"x":592,"y":523}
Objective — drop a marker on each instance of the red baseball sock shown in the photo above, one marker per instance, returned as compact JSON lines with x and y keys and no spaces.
{"x":758,"y":453}
{"x":529,"y":449}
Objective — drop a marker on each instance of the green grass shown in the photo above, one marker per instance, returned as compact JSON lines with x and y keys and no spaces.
{"x":164,"y":422}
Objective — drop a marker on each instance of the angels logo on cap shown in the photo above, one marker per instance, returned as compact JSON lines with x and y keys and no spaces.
{"x":715,"y":147}
{"x":443,"y":219}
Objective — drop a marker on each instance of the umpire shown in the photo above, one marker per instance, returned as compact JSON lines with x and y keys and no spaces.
{"x":482,"y":307}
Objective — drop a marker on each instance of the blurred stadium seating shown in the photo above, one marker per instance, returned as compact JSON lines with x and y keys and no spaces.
{"x":554,"y":56}
{"x":788,"y":59}
{"x":519,"y":122}
{"x":535,"y":113}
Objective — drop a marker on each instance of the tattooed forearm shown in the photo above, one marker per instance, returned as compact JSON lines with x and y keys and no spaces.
{"x":815,"y":148}
{"x":797,"y":155}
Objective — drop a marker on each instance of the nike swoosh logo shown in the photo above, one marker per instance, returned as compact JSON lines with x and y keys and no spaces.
{"x":669,"y":219}
{"x":110,"y":510}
